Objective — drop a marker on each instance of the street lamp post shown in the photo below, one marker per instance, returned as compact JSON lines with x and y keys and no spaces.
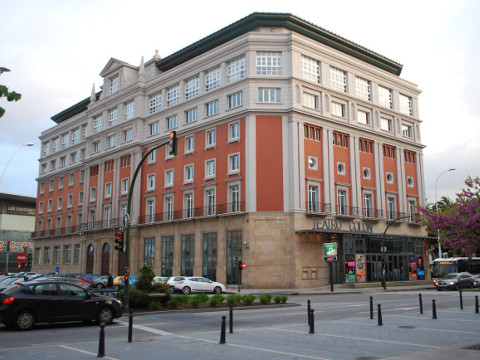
{"x":436,"y":210}
{"x":9,"y":160}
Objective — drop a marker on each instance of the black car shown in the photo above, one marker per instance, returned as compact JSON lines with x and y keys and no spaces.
{"x":23,"y":305}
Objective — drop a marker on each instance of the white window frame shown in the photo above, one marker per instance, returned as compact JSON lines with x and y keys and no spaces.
{"x":188,"y":205}
{"x":234,"y":197}
{"x":169,"y":178}
{"x":410,"y":181}
{"x":111,"y":141}
{"x":312,"y":162}
{"x":405,"y":104}
{"x":366,"y":173}
{"x":108,"y":190}
{"x":342,"y":201}
{"x":236,"y":69}
{"x":210,"y":169}
{"x":93,"y":193}
{"x":386,"y":124}
{"x":363,"y":117}
{"x":368,"y":205}
{"x":385,"y":97}
{"x":191,"y":116}
{"x":391,"y":207}
{"x":153,"y":128}
{"x":212,"y":108}
{"x":235,"y":100}
{"x":128,"y":134}
{"x":310,"y":100}
{"x":150,"y":182}
{"x":313,"y":197}
{"x":113,"y":117}
{"x":189,"y":144}
{"x":310,"y":69}
{"x":129,"y":110}
{"x":172,"y":122}
{"x":96,"y":146}
{"x":114,"y":84}
{"x":341,"y":168}
{"x":150,"y":211}
{"x":363,"y":88}
{"x":234,"y":131}
{"x":155,"y":102}
{"x":97,"y":123}
{"x":188,"y":174}
{"x":338,"y":79}
{"x":407,"y":130}
{"x":152,"y":157}
{"x":168,"y":208}
{"x":124,"y":185}
{"x":210,"y":138}
{"x":270,"y":95}
{"x":389,"y":178}
{"x":192,"y":87}
{"x":173,"y":95}
{"x":213,"y":78}
{"x":234,"y":163}
{"x":210,"y":201}
{"x":75,"y":136}
{"x":269,"y":63}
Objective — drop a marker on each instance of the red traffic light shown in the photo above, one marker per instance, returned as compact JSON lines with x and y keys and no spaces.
{"x":172,"y":143}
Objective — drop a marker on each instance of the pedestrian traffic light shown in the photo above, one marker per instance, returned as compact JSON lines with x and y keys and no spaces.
{"x":172,"y":143}
{"x":28,"y":265}
{"x":119,"y":243}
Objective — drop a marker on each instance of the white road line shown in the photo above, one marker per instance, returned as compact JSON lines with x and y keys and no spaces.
{"x":148,"y":329}
{"x":439,"y":318}
{"x":84,"y":352}
{"x":363,"y":339}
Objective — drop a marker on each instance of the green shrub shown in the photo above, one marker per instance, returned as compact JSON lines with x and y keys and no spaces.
{"x":174,"y":302}
{"x":233,"y":299}
{"x":203,"y":298}
{"x":248,"y":299}
{"x":137,"y":298}
{"x":215,"y":300}
{"x":161,"y":288}
{"x":155,"y":305}
{"x":145,"y":280}
{"x":184,"y":299}
{"x":280,"y":299}
{"x":195,"y":302}
{"x":265,"y":299}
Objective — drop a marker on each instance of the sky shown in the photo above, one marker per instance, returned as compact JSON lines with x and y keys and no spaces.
{"x":57,"y":49}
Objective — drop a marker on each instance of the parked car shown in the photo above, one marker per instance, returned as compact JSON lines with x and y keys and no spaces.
{"x":455,"y":281}
{"x":9,"y":281}
{"x":199,"y":284}
{"x":24,"y":305}
{"x":78,"y":282}
{"x":119,"y":281}
{"x":160,"y":279}
{"x":476,"y":280}
{"x":99,"y":282}
{"x":172,"y":280}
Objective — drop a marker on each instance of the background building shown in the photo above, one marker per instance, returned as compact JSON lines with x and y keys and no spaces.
{"x":17,"y":224}
{"x":289,"y":137}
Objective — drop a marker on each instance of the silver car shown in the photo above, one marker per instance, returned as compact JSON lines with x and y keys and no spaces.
{"x":455,"y":281}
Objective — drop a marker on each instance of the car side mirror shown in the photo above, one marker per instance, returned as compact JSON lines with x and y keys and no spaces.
{"x":210,"y":281}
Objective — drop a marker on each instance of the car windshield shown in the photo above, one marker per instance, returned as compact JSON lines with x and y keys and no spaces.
{"x":11,"y":289}
{"x":450,"y":276}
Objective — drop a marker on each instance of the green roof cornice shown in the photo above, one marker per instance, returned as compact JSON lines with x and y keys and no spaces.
{"x":74,"y":109}
{"x":285,"y":20}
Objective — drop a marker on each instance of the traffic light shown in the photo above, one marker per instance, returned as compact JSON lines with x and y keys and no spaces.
{"x":126,"y":280}
{"x":240,"y":265}
{"x":119,"y":241}
{"x":19,"y":265}
{"x":172,"y":143}
{"x":28,"y":265}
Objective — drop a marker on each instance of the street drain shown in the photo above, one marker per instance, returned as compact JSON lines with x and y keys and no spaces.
{"x":473,"y":347}
{"x":406,"y":327}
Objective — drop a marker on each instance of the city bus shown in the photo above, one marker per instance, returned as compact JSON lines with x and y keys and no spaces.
{"x":441,"y":267}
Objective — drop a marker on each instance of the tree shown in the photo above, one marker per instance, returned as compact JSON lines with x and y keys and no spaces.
{"x":457,"y":222}
{"x":145,"y":281}
{"x":10,"y":95}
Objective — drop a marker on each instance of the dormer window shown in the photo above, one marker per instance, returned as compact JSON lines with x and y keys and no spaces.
{"x":114,"y":84}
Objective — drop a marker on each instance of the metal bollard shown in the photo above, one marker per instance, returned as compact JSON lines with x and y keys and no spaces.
{"x":130,"y":324}
{"x":434,"y":309}
{"x":371,"y":307}
{"x":461,"y":298}
{"x":312,"y":322}
{"x":308,"y":312}
{"x":101,"y":343}
{"x":380,"y":322}
{"x":421,"y":303}
{"x":230,"y":313}
{"x":476,"y":304}
{"x":222,"y":331}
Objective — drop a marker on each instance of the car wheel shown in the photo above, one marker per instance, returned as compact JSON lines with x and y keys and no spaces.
{"x":172,"y":289}
{"x":217,"y":290}
{"x":186,"y":290}
{"x":105,"y":315}
{"x":99,"y":286}
{"x":439,"y":289}
{"x":24,"y":320}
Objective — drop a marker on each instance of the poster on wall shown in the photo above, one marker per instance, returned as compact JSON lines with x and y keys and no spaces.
{"x":420,"y":268}
{"x":350,"y":268}
{"x":360,"y":267}
{"x":412,"y":268}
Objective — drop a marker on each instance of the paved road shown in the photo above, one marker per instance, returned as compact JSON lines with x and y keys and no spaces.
{"x":343,"y":330}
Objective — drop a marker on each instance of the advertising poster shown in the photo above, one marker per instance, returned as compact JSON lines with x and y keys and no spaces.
{"x":420,"y":268}
{"x":412,"y":268}
{"x":350,"y":268}
{"x":361,"y":270}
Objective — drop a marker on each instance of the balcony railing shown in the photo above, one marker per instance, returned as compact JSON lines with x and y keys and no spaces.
{"x":318,"y":208}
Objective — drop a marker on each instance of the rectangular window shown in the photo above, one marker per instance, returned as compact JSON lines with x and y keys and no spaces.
{"x":188,"y":205}
{"x":363,"y":88}
{"x":67,"y":254}
{"x":385,"y":97}
{"x":56,"y":254}
{"x":236,"y":69}
{"x":129,"y":110}
{"x":149,"y":251}
{"x":210,"y":169}
{"x":151,"y":182}
{"x":127,"y":135}
{"x":80,"y":198}
{"x":189,"y":144}
{"x":234,"y":164}
{"x":155,"y":102}
{"x":76,"y":254}
{"x":386,"y":124}
{"x":407,"y":130}
{"x":168,"y":208}
{"x":412,"y":211}
{"x":63,"y":160}
{"x":269,"y":95}
{"x":210,"y":256}
{"x":210,"y":140}
{"x":190,"y":116}
{"x":65,"y":141}
{"x":169,"y":178}
{"x":46,"y":149}
{"x":367,"y":205}
{"x":71,"y":179}
{"x":167,"y":256}
{"x":124,"y":186}
{"x":338,"y":109}
{"x":42,"y":188}
{"x":234,"y":195}
{"x":55,"y":146}
{"x":391,"y":208}
{"x":313,"y":198}
{"x":173,"y":95}
{"x":340,"y":139}
{"x":70,"y":200}
{"x":234,"y":131}
{"x":114,"y":84}
{"x":53,"y":164}
{"x":75,"y":136}
{"x":389,"y":151}
{"x":187,"y":255}
{"x":310,"y":69}
{"x":338,"y":79}
{"x":112,"y":117}
{"x":363,"y":117}
{"x":153,"y":128}
{"x":213,"y":79}
{"x":310,"y":100}
{"x":212,"y":108}
{"x":47,"y":255}
{"x":188,"y":175}
{"x":84,"y":132}
{"x":96,"y":146}
{"x":40,"y":207}
{"x":108,"y":189}
{"x":111,"y":141}
{"x":269,"y":63}
{"x":341,"y":202}
{"x":150,"y":211}
{"x":210,"y":202}
{"x":93,"y":193}
{"x":97,"y":124}
{"x":406,"y":104}
{"x":172,"y":122}
{"x":73,"y":157}
{"x":107,"y":216}
{"x":192,"y":87}
{"x":152,"y":157}
{"x":235,"y":100}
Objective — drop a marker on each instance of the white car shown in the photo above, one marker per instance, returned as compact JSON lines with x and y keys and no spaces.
{"x":199,"y":284}
{"x":172,"y":280}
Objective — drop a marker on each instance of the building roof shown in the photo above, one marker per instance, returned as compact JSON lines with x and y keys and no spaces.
{"x":73,"y":110}
{"x":285,"y":20}
{"x":19,"y":198}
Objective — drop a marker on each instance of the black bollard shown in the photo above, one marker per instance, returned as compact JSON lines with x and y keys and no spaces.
{"x":476,"y":304}
{"x":461,"y":298}
{"x":101,"y":343}
{"x":130,"y":324}
{"x":222,"y":331}
{"x":312,"y":323}
{"x":421,"y":303}
{"x":371,"y":307}
{"x":434,"y":309}
{"x":308,"y":312}
{"x":380,"y":322}
{"x":230,"y":313}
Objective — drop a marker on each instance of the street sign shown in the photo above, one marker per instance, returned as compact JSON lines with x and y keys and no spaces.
{"x":244,"y":266}
{"x":21,"y":257}
{"x":126,"y":221}
{"x":331,"y":258}
{"x":329,"y":249}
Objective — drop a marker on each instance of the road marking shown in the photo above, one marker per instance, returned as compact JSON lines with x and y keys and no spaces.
{"x":148,"y":329}
{"x":357,"y":338}
{"x":84,"y":352}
